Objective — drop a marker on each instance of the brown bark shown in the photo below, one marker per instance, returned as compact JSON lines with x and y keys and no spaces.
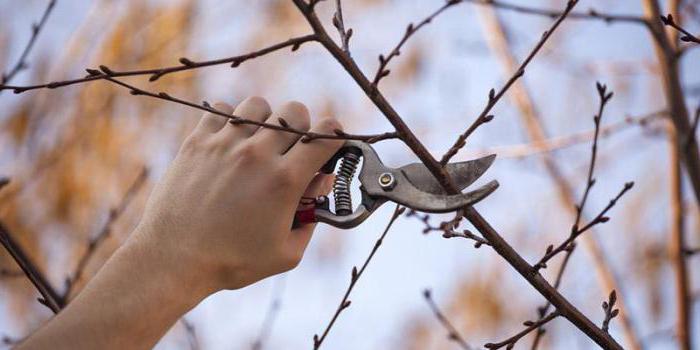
{"x":677,"y":246}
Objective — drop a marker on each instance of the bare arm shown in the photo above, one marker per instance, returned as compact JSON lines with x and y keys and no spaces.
{"x":219,"y":219}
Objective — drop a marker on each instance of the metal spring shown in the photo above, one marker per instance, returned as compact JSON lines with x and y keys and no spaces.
{"x":341,"y":185}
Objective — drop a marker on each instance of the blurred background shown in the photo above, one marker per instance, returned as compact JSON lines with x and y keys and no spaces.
{"x":83,"y":159}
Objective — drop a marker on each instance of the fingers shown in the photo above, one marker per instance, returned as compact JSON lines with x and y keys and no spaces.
{"x":308,"y":158}
{"x":296,"y":115}
{"x":252,"y":108}
{"x":211,"y":123}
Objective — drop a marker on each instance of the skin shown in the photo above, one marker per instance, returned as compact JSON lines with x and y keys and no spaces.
{"x":219,"y":219}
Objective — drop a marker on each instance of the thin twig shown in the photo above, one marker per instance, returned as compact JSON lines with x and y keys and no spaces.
{"x":339,"y":24}
{"x":191,"y":332}
{"x":448,"y":228}
{"x":49,"y":297}
{"x":493,"y":97}
{"x":156,"y":73}
{"x":94,"y":242}
{"x":282,"y":126}
{"x":410,"y":30}
{"x":544,"y":309}
{"x":610,"y":310}
{"x":354,"y":277}
{"x":576,"y":232}
{"x":531,"y":326}
{"x":452,"y":332}
{"x":271,"y":314}
{"x":687,"y":36}
{"x":22,"y":61}
{"x":576,"y":229}
{"x":591,"y":14}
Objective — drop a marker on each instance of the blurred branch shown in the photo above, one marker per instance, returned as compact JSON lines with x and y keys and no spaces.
{"x":693,"y":129}
{"x":687,"y":36}
{"x":677,"y":244}
{"x":668,"y":59}
{"x":156,"y":73}
{"x":494,"y":96}
{"x":49,"y":297}
{"x":355,"y":276}
{"x":561,"y":142}
{"x":191,"y":332}
{"x":95,"y":242}
{"x":537,"y":133}
{"x":531,"y":326}
{"x":410,"y":30}
{"x":592,"y":14}
{"x":22,"y":61}
{"x":452,"y":332}
{"x":488,"y":232}
{"x":282,"y":126}
{"x":6,"y":273}
{"x":271,"y":314}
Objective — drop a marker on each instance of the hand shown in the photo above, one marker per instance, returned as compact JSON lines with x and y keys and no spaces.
{"x":222,"y":214}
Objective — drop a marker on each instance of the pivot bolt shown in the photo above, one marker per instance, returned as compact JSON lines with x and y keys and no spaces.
{"x":387,"y":181}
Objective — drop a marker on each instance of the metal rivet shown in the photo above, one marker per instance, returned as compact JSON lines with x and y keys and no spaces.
{"x":387,"y":181}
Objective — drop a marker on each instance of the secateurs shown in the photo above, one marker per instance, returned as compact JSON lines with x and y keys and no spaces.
{"x":411,"y":185}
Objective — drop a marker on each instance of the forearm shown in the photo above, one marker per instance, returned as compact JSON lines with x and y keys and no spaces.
{"x":134,"y":299}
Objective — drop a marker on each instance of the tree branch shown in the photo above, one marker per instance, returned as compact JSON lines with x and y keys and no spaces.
{"x":592,"y":14}
{"x":452,"y":332}
{"x":156,"y":73}
{"x":271,"y":314}
{"x":410,"y":30}
{"x":354,"y":277}
{"x":307,"y":136}
{"x":49,"y":297}
{"x":489,"y":233}
{"x":339,"y":24}
{"x":95,"y":242}
{"x":536,"y":131}
{"x":493,"y":97}
{"x":610,"y":310}
{"x":687,"y":36}
{"x":531,"y":326}
{"x":22,"y":61}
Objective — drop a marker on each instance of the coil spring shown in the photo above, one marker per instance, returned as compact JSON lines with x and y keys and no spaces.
{"x":341,"y":185}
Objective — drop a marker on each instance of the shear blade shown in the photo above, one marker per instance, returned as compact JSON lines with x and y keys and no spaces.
{"x":463,"y":174}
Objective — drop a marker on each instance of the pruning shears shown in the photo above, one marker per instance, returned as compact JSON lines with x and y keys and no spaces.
{"x":411,"y":185}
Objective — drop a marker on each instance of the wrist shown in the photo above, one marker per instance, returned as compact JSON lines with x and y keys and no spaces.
{"x":181,"y":281}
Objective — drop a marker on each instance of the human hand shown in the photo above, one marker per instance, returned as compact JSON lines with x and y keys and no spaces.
{"x":221,"y":216}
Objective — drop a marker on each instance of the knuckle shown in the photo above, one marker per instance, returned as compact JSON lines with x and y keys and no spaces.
{"x":286,"y":175}
{"x":248,"y":153}
{"x":191,"y":144}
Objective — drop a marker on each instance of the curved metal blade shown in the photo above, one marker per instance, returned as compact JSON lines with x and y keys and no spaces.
{"x":463,"y":174}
